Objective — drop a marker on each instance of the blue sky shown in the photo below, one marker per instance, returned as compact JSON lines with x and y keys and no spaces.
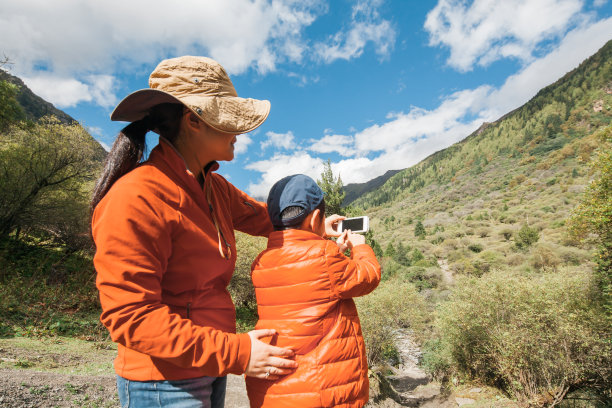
{"x":369,"y":85}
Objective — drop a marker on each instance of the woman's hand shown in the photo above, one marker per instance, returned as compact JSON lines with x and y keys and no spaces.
{"x":266,"y":361}
{"x":331,"y":225}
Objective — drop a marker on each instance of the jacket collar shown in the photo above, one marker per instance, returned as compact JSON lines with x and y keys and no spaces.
{"x":166,"y":155}
{"x":278,"y":238}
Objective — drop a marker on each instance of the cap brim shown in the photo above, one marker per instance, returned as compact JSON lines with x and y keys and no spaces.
{"x":230,"y":114}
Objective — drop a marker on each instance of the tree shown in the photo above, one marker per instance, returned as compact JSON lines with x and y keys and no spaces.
{"x":390,"y":250}
{"x":10,"y":109}
{"x":594,"y":214}
{"x":401,"y":255}
{"x":419,"y":230}
{"x":333,"y":189}
{"x":44,"y":171}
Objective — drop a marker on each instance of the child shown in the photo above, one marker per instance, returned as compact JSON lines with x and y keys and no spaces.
{"x":304,"y":286}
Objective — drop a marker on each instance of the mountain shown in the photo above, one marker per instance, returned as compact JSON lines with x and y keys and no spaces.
{"x":33,"y":105}
{"x":529,"y":168}
{"x":356,"y":190}
{"x":36,"y":107}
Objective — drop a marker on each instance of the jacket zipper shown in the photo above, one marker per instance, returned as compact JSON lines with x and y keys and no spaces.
{"x":188,"y":309}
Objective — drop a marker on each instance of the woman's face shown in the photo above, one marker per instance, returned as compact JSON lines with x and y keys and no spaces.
{"x":216,"y":145}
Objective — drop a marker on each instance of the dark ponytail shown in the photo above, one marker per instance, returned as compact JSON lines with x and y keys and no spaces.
{"x":130,"y":145}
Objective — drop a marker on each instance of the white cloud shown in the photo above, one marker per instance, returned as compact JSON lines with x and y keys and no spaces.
{"x":599,"y":3}
{"x":67,"y":92}
{"x":366,"y":26}
{"x":483,"y":31}
{"x":279,"y":141}
{"x":68,"y":43}
{"x":408,"y":138}
{"x":242,"y":143}
{"x":330,"y":143}
{"x":280,"y":166}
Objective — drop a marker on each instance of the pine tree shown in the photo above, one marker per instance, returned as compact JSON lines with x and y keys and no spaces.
{"x":390,"y":250}
{"x":333,"y":189}
{"x":419,"y":230}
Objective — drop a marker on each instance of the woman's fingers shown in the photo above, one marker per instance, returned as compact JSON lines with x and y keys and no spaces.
{"x":261,"y":333}
{"x":280,"y":351}
{"x":267,"y":361}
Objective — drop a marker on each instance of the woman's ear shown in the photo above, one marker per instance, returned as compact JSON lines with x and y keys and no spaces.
{"x":191,"y":121}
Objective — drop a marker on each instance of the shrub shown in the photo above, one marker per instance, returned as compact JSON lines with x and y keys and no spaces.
{"x":544,"y":257}
{"x":394,"y":304}
{"x":507,"y":234}
{"x":241,"y":286}
{"x":526,"y":236}
{"x":532,"y":336}
{"x":475,"y":248}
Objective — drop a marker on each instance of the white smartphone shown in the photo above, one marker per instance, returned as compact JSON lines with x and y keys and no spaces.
{"x":355,"y":224}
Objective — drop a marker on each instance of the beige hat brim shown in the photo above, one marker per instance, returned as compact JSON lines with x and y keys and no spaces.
{"x":230,"y":114}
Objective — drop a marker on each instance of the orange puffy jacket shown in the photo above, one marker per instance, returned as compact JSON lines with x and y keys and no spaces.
{"x":160,"y":273}
{"x":304,"y":287}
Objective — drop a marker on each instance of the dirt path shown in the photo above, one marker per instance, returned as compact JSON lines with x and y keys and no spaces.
{"x":70,"y":373}
{"x":447,"y":274}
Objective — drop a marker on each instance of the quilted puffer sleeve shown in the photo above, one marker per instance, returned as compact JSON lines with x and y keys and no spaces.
{"x":354,"y":276}
{"x":132,"y":230}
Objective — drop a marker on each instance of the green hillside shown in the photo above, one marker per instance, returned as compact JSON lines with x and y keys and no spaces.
{"x":481,"y":229}
{"x":529,"y":167}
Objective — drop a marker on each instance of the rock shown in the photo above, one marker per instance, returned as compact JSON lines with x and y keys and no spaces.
{"x":464,"y":401}
{"x":476,"y":390}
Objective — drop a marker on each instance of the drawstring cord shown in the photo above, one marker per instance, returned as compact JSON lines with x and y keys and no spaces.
{"x":220,"y":235}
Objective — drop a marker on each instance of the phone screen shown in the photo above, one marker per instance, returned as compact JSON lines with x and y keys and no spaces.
{"x":354,"y":224}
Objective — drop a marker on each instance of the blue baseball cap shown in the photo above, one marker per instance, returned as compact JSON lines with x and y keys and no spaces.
{"x":297,"y":190}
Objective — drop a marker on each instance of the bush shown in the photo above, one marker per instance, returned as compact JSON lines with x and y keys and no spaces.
{"x":533,"y":337}
{"x":507,"y":234}
{"x":241,"y":286}
{"x":46,"y":291}
{"x":475,"y":248}
{"x":544,"y":257}
{"x":392,"y":305}
{"x":526,"y":236}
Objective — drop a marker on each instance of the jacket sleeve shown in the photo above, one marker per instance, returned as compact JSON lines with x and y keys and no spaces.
{"x":354,"y":276}
{"x":133,"y":236}
{"x":248,"y":215}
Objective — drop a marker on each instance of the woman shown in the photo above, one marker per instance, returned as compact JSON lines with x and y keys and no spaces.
{"x":165,"y":246}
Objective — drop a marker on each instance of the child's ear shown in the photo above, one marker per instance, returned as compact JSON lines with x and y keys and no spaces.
{"x":317,"y":222}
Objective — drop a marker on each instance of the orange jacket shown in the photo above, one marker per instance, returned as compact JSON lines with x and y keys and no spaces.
{"x":304,"y":287}
{"x":161,"y":276}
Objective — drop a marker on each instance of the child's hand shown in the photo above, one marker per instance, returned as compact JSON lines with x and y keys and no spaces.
{"x":354,"y":239}
{"x":341,"y":241}
{"x":331,"y":225}
{"x":267,"y":361}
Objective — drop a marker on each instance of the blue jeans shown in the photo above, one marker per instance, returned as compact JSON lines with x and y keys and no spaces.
{"x":201,"y":392}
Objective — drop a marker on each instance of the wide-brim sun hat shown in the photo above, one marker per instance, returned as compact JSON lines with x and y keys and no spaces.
{"x":202,"y":85}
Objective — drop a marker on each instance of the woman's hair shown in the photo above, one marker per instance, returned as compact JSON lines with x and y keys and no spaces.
{"x":130,"y":145}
